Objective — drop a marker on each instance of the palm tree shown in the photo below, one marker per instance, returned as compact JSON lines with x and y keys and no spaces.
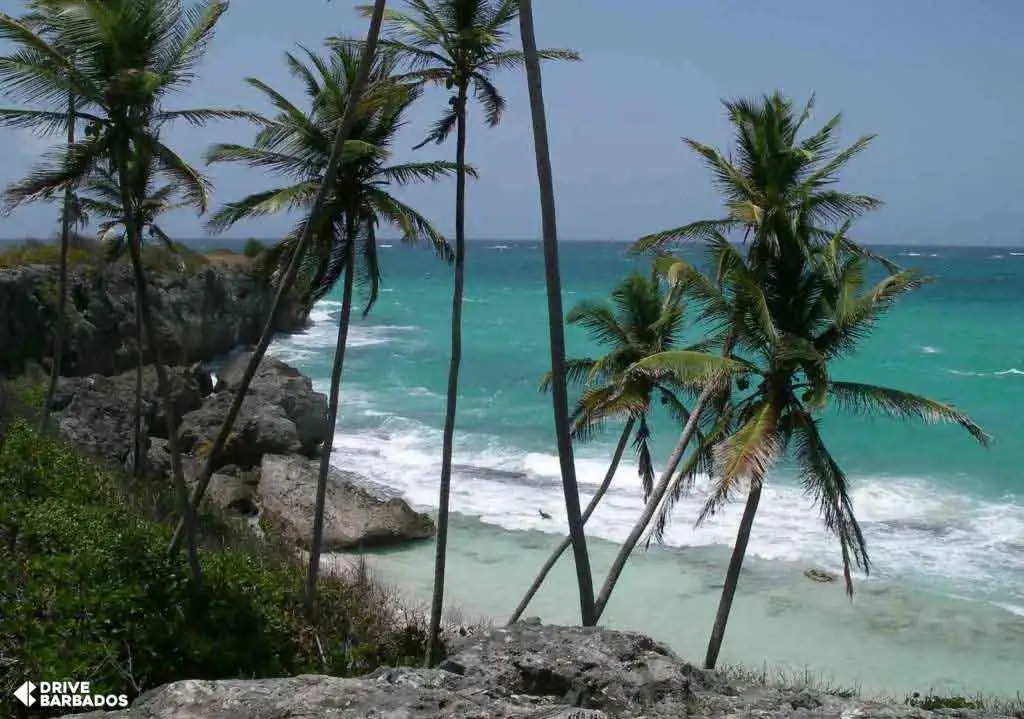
{"x":128,"y":57}
{"x":787,"y":351}
{"x":286,"y":281}
{"x":570,"y":488}
{"x":41,"y":19}
{"x":773,"y":182}
{"x":102,"y":198}
{"x":295,"y":144}
{"x":458,"y":44}
{"x":645,"y":321}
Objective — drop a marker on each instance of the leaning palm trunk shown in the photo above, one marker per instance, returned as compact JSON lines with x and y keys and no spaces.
{"x":288,"y":280}
{"x":560,"y":395}
{"x":732,"y":576}
{"x":139,"y":442}
{"x":620,"y":448}
{"x":316,"y":545}
{"x":62,"y":285}
{"x":689,"y":430}
{"x":133,"y":230}
{"x":448,"y":440}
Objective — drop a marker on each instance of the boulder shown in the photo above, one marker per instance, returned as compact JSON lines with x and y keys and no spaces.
{"x":236,"y":494}
{"x":278,"y":383}
{"x":354,"y":516}
{"x":118,"y":392}
{"x":99,"y":421}
{"x":260,"y":428}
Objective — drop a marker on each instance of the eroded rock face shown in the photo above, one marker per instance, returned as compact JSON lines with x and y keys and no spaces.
{"x":355,"y":516}
{"x":280,"y":384}
{"x":202,"y":314}
{"x":527,"y":671}
{"x":96,"y":413}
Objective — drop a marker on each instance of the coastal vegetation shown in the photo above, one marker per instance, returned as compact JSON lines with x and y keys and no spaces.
{"x":745,"y":372}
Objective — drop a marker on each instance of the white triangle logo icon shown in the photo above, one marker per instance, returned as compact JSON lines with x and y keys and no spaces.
{"x":24,"y":694}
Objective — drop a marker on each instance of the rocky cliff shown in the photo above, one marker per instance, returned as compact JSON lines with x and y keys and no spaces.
{"x":202,"y":313}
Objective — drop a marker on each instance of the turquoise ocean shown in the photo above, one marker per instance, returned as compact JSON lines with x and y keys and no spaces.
{"x":943,"y":608}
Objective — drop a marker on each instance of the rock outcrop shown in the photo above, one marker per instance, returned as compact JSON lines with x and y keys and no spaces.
{"x":267,"y":467}
{"x":202,"y":314}
{"x":525,"y":671}
{"x":96,"y":413}
{"x":355,"y":515}
{"x":281,"y":414}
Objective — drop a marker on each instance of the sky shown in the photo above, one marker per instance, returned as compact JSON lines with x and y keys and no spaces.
{"x":938,"y":81}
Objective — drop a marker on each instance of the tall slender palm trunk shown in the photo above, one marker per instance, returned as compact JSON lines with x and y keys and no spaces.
{"x":454,"y":362}
{"x":732,"y":576}
{"x":138,"y":441}
{"x":620,"y":448}
{"x":654,"y":501}
{"x":288,"y":280}
{"x":133,"y":230}
{"x":62,"y":285}
{"x":316,"y":545}
{"x":559,"y":393}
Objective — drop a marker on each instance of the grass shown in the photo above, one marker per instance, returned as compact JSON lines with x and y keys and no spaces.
{"x":86,"y":252}
{"x":89,"y":592}
{"x":790,"y":682}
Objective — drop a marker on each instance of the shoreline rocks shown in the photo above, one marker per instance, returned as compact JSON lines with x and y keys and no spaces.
{"x":524,"y":670}
{"x":269,"y":467}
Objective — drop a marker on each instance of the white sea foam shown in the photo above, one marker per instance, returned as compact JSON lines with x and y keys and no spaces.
{"x":929,"y":350}
{"x":998,"y":373}
{"x":912,"y":528}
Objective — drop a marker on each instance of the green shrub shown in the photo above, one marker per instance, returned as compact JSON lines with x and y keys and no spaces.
{"x":253,"y":248}
{"x":89,"y":592}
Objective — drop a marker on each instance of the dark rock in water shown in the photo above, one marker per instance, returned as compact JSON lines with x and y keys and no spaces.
{"x":528,"y":672}
{"x":280,"y":384}
{"x":353,"y":517}
{"x":820,"y":575}
{"x":201,"y":314}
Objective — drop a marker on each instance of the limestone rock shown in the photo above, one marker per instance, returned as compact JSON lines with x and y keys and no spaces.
{"x":354,"y":515}
{"x":201,"y":314}
{"x":260,"y":428}
{"x":523,"y":671}
{"x":278,"y":383}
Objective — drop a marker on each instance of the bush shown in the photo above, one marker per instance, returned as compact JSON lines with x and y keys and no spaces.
{"x":253,"y":248}
{"x":89,"y":592}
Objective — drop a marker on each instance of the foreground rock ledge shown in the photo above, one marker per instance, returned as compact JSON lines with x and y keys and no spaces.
{"x":526,"y":670}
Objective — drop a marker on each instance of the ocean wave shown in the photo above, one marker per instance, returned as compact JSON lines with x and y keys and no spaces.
{"x":930,"y":350}
{"x":998,"y":373}
{"x":912,"y":527}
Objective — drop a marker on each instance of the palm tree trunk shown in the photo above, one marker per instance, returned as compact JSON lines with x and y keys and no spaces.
{"x":134,"y":232}
{"x":620,"y":448}
{"x":140,"y":452}
{"x":732,"y":576}
{"x":285,"y":286}
{"x":448,"y":440}
{"x":316,"y":544}
{"x":62,"y":285}
{"x":654,"y":500}
{"x":560,"y":395}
